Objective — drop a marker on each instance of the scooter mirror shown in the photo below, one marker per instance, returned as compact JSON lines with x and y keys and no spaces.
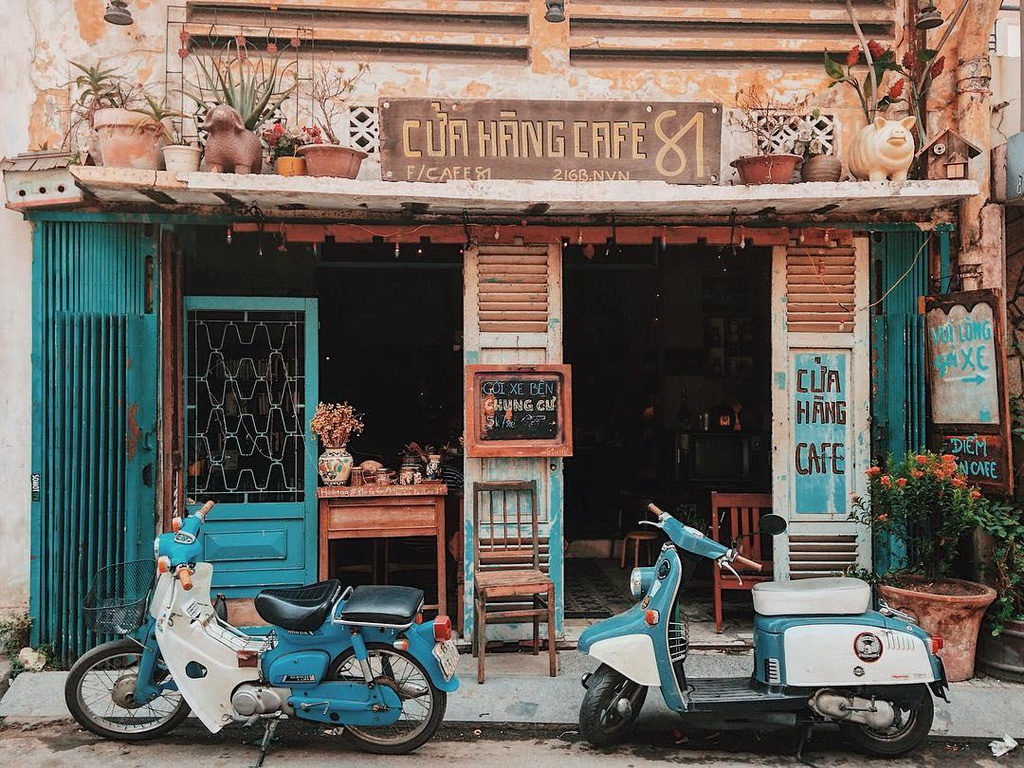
{"x":772,"y":524}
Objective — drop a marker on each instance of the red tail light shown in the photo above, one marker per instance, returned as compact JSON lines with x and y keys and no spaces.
{"x":442,"y":628}
{"x":937,"y":644}
{"x":652,"y":617}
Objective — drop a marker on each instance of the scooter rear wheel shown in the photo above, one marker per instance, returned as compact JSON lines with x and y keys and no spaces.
{"x":423,"y":704}
{"x":601,"y":721}
{"x":915,"y":721}
{"x":99,"y":693}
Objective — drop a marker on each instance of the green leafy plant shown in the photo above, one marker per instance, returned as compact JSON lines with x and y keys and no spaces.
{"x":926,"y":505}
{"x":238,"y":76}
{"x":14,"y":635}
{"x":283,"y":142}
{"x":1004,"y":522}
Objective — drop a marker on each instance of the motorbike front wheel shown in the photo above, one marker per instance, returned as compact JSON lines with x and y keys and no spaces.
{"x":602,"y":721}
{"x":913,"y":722}
{"x":423,"y":704}
{"x":100,"y":693}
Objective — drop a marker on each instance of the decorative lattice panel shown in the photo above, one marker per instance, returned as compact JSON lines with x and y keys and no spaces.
{"x":789,"y":133}
{"x":362,"y":128}
{"x":246,"y":413}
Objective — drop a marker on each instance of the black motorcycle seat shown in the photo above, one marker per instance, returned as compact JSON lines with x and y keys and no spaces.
{"x":300,"y":609}
{"x":386,"y":606}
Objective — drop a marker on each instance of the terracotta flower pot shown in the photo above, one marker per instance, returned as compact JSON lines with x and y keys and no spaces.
{"x":821,"y":168}
{"x":953,"y":610}
{"x":290,"y":166}
{"x":1002,"y":656}
{"x":127,"y":139}
{"x":766,"y":169}
{"x":331,"y":160}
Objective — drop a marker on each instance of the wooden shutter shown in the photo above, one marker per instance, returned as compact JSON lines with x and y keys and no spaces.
{"x":513,"y":290}
{"x":820,"y":288}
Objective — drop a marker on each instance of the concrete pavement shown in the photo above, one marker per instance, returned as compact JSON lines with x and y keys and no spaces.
{"x":518,"y":690}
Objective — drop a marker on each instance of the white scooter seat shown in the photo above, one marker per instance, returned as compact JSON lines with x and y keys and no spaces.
{"x":831,"y":595}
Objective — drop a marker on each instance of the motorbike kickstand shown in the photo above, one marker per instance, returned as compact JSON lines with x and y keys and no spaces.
{"x":805,"y":736}
{"x":268,"y":736}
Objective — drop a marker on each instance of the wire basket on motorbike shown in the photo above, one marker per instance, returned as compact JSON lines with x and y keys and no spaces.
{"x":118,"y":598}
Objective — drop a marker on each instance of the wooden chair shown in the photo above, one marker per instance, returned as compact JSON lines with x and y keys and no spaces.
{"x":735,"y":515}
{"x":510,"y":584}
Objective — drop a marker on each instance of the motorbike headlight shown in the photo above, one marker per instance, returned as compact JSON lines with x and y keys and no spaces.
{"x":640,"y":580}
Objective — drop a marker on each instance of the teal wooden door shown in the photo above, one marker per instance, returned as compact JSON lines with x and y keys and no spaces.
{"x":94,"y":390}
{"x":250,"y":389}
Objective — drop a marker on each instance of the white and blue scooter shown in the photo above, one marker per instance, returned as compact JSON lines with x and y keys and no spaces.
{"x":820,"y":655}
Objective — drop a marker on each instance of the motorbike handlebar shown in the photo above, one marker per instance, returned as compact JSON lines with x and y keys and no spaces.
{"x":751,"y":564}
{"x":653,"y":509}
{"x":184,"y":576}
{"x":204,"y":510}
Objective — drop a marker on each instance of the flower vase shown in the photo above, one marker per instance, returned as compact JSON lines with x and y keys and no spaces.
{"x":334,"y":466}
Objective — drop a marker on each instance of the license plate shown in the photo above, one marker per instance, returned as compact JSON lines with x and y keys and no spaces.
{"x":447,"y":654}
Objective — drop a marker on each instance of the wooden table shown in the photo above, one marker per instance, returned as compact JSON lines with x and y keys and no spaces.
{"x":384,"y":511}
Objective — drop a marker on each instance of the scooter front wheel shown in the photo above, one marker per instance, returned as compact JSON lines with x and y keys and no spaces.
{"x":603,"y":720}
{"x":914,"y":721}
{"x":100,"y":694}
{"x":423,"y":704}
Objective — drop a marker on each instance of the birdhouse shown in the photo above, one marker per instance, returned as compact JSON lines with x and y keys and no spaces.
{"x":948,"y":156}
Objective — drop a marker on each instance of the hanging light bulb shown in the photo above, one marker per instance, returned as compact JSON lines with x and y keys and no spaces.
{"x":927,"y":15}
{"x":117,"y":13}
{"x":229,"y":236}
{"x":397,"y":250}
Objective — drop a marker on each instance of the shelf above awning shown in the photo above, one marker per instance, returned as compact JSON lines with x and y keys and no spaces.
{"x":319,"y":199}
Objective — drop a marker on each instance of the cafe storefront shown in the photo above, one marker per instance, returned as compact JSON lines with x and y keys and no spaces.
{"x":519,"y":275}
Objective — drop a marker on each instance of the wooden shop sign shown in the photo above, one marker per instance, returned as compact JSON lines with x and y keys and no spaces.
{"x":966,"y":367}
{"x":518,"y":410}
{"x":578,"y":141}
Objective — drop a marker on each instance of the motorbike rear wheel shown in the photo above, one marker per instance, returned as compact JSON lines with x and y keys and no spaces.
{"x":99,"y":692}
{"x":601,"y":722}
{"x":914,"y":721}
{"x":423,"y":704}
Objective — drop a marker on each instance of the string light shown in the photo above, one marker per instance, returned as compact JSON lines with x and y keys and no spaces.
{"x":397,"y":251}
{"x":229,"y":236}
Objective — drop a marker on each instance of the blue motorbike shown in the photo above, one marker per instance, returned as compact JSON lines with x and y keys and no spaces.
{"x":820,"y":655}
{"x":360,"y":660}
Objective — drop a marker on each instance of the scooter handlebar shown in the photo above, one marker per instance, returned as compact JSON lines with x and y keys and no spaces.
{"x":654,"y":510}
{"x":751,"y":564}
{"x":203,"y":511}
{"x":184,"y":577}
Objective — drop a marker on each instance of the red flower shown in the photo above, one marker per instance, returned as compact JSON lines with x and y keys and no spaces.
{"x":873,"y":471}
{"x":896,"y":90}
{"x":958,"y":482}
{"x":916,"y":473}
{"x":853,"y":57}
{"x":937,"y":66}
{"x":877,"y":51}
{"x":975,"y":494}
{"x":901,"y":482}
{"x":921,"y":459}
{"x":886,"y":481}
{"x":909,"y":61}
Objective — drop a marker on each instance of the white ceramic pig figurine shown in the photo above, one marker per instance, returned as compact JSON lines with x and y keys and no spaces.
{"x":882,"y":150}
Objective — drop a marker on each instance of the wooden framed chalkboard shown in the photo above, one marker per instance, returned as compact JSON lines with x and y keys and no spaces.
{"x":966,"y":365}
{"x":518,"y":410}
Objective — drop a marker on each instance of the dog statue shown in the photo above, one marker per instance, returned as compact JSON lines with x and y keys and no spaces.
{"x":230,"y":146}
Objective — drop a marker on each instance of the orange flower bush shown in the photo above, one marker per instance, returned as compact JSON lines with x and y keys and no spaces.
{"x":926,"y":505}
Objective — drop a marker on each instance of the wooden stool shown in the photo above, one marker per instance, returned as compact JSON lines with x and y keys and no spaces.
{"x":637,"y":537}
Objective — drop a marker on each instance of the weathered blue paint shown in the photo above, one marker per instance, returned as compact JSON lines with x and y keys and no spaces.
{"x":94,"y":406}
{"x":256,"y":545}
{"x":821,"y":435}
{"x":780,"y":380}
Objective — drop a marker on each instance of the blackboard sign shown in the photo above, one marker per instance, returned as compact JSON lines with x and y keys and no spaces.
{"x":982,"y":458}
{"x":966,"y":366}
{"x":518,"y":411}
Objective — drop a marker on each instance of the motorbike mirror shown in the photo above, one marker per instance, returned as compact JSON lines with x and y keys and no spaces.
{"x":772,"y":524}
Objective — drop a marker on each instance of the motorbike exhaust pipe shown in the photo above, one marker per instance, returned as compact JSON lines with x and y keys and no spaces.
{"x":874,"y":713}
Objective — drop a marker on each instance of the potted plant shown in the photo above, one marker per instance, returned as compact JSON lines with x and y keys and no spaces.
{"x":819,"y":164}
{"x":284,"y":144}
{"x":764,"y":117}
{"x":115,"y":112}
{"x":179,"y":154}
{"x":924,"y":506}
{"x":334,"y":424}
{"x":330,"y":89}
{"x":1001,"y":645}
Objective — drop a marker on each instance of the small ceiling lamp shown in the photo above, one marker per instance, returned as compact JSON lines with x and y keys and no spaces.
{"x":555,"y":12}
{"x":118,"y":13}
{"x":927,"y":15}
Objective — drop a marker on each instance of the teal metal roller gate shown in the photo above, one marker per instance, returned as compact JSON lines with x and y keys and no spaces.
{"x":94,"y":403}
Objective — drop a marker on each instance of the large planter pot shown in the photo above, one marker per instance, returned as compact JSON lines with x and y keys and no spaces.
{"x":766,"y":169}
{"x":1002,"y":656}
{"x":953,"y":611}
{"x":821,"y":168}
{"x":181,"y":158}
{"x":127,"y":139}
{"x":331,"y":160}
{"x":334,"y":466}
